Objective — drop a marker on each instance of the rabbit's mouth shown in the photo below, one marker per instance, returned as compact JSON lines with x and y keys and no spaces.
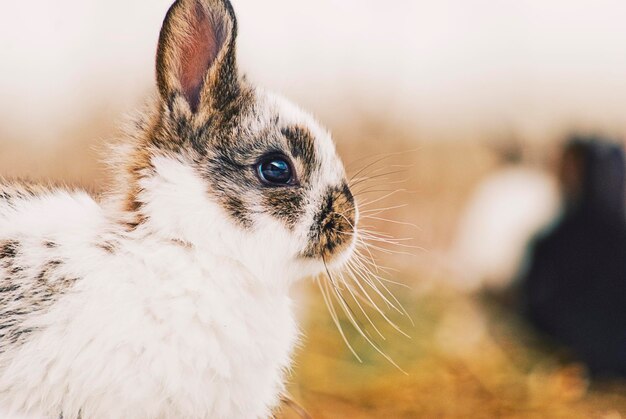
{"x":334,"y":227}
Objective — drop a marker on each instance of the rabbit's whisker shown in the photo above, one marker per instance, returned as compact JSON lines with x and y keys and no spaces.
{"x":375,"y":306}
{"x":376,"y":211}
{"x":362,"y":277}
{"x":402,"y":223}
{"x":381,"y":281}
{"x":347,"y":308}
{"x":366,"y":276}
{"x":369,"y":165}
{"x":323,"y":286}
{"x":366,"y":203}
{"x":348,"y":311}
{"x":379,"y":176}
{"x":384,"y":269}
{"x":354,"y":295}
{"x":380,"y":157}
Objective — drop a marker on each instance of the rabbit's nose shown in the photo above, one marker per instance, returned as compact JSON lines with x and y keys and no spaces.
{"x":334,"y":225}
{"x":340,"y":212}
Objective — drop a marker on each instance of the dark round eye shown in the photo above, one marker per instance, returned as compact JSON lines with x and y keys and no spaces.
{"x":275,"y":170}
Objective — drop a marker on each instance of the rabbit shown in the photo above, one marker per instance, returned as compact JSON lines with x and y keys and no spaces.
{"x":506,"y":209}
{"x":168,"y":297}
{"x":574,"y":286}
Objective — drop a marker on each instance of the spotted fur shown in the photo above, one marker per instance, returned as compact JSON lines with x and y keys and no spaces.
{"x":25,"y":290}
{"x":168,"y":298}
{"x":11,"y":193}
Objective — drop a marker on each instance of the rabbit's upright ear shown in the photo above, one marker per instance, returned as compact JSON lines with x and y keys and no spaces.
{"x":196,"y":54}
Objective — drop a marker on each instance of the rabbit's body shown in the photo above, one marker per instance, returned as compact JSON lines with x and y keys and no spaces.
{"x":91,"y":313}
{"x":169,"y":298}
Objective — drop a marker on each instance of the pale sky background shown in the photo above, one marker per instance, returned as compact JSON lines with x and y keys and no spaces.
{"x":446,"y":69}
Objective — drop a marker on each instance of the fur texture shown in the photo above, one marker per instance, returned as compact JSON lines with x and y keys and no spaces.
{"x":169,"y":297}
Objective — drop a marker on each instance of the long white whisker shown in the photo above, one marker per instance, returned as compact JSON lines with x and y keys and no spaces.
{"x":366,"y":276}
{"x":395,"y":299}
{"x":384,"y":316}
{"x":349,"y":313}
{"x":387,"y":280}
{"x":383,"y":197}
{"x":377,"y":211}
{"x":402,"y":223}
{"x":333,"y":315}
{"x":354,"y":297}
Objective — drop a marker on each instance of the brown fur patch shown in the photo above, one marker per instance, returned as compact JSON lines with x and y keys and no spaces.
{"x":302,"y":146}
{"x":333,"y":226}
{"x":25,"y":291}
{"x":137,"y":166}
{"x":237,"y":208}
{"x":286,"y":203}
{"x":9,"y":249}
{"x":107,"y":246}
{"x":12,"y":191}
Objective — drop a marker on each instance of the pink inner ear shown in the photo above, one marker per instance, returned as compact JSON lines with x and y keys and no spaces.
{"x":199,"y":52}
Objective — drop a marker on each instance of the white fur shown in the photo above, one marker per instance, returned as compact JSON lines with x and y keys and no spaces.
{"x":190,"y":317}
{"x":157,"y":330}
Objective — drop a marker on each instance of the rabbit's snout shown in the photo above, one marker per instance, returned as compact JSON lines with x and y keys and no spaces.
{"x":334,"y":226}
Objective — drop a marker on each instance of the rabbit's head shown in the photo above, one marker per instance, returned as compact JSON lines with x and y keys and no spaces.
{"x":229,"y":166}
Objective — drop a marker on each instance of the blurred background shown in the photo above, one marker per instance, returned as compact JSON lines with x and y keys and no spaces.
{"x":477,"y":128}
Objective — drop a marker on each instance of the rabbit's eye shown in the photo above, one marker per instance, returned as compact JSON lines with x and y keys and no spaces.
{"x":275,"y":170}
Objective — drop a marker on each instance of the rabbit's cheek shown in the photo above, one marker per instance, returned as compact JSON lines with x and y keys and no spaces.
{"x":238,"y":211}
{"x":285,"y":204}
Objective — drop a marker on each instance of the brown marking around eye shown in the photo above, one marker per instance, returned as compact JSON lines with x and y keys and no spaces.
{"x":302,"y":147}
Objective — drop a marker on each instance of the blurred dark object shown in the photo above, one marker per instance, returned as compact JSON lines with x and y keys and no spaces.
{"x":575,"y":286}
